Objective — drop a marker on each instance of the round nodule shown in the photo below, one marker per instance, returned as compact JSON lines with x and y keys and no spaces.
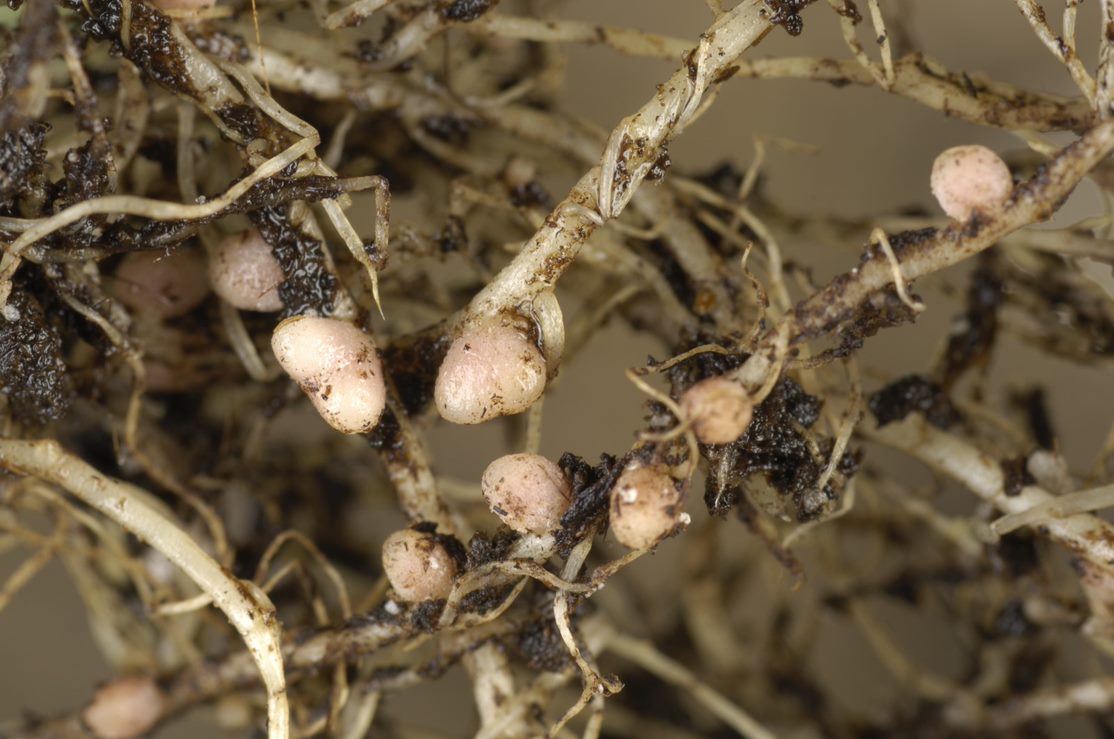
{"x":489,"y":372}
{"x":244,"y":272}
{"x":719,"y":408}
{"x":527,"y":491}
{"x":646,"y":506}
{"x":337,"y":366}
{"x":157,"y":285}
{"x":966,"y":179}
{"x":124,"y":708}
{"x":417,"y":566}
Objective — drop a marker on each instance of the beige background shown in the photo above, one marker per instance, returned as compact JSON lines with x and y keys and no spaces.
{"x":874,"y":155}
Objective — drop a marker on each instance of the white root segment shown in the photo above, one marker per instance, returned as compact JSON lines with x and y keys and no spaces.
{"x":983,"y":476}
{"x":879,"y":235}
{"x":248,"y":609}
{"x":1082,"y":501}
{"x":1030,"y":202}
{"x":600,"y":195}
{"x":1084,"y":535}
{"x":547,"y":315}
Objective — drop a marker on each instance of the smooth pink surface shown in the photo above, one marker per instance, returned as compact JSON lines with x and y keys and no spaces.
{"x":527,"y":491}
{"x":970,"y":178}
{"x":244,"y":272}
{"x":645,"y":506}
{"x":719,"y":408}
{"x":417,"y":567}
{"x":158,"y":285}
{"x":490,"y":372}
{"x":337,"y":366}
{"x":124,"y":708}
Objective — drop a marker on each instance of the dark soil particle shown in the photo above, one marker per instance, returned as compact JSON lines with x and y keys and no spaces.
{"x":424,"y":615}
{"x":532,"y":193}
{"x":975,"y":331}
{"x":913,"y":394}
{"x":452,"y":237}
{"x":850,"y":10}
{"x":147,"y":235}
{"x":786,"y":13}
{"x":308,"y":287}
{"x":1040,"y":422}
{"x":660,"y":166}
{"x":802,"y":407}
{"x":50,"y":286}
{"x":32,"y":373}
{"x":467,"y":10}
{"x":276,"y":191}
{"x":86,"y":175}
{"x":886,"y":310}
{"x":1016,"y":475}
{"x":700,"y":366}
{"x":591,"y":489}
{"x":725,"y":178}
{"x":386,"y":612}
{"x":483,"y":549}
{"x":1028,"y":667}
{"x":904,"y":240}
{"x":152,"y":46}
{"x":453,"y":129}
{"x":241,"y":118}
{"x":775,"y":445}
{"x":1058,"y":297}
{"x":675,"y":275}
{"x":1016,"y":554}
{"x":541,"y":645}
{"x":449,"y":543}
{"x":1010,"y":621}
{"x":413,"y":363}
{"x":484,"y":599}
{"x":22,"y":157}
{"x":850,"y":463}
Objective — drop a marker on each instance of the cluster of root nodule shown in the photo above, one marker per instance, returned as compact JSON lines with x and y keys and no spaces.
{"x":206,"y":293}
